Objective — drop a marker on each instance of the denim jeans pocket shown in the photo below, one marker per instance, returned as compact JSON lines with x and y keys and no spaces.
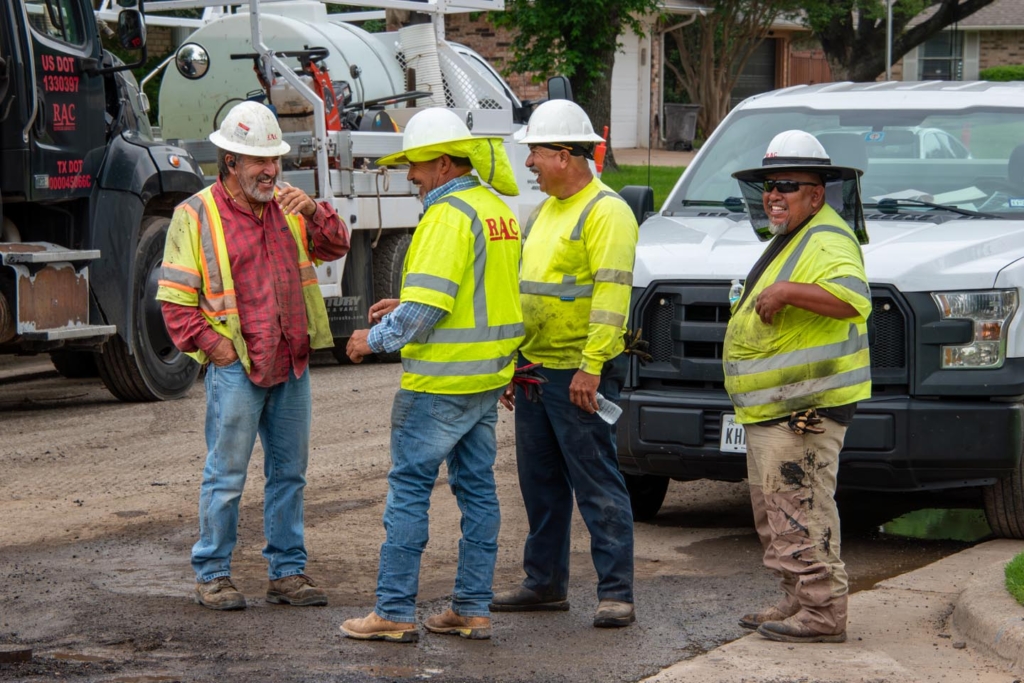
{"x":447,"y":408}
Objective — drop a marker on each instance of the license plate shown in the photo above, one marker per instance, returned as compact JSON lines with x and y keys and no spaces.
{"x":734,"y":437}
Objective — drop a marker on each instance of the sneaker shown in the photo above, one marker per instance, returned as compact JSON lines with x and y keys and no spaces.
{"x":614,"y":614}
{"x":791,"y":630}
{"x":451,"y":624}
{"x":522,"y":599}
{"x":297,"y":589}
{"x":773,"y":613}
{"x":220,"y":594}
{"x":373,"y":627}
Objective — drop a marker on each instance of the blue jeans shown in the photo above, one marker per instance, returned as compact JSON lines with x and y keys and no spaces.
{"x":426,"y":430}
{"x":560,"y":450}
{"x":236,"y":411}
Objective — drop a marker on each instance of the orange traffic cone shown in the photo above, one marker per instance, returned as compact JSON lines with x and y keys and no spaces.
{"x":599,"y":151}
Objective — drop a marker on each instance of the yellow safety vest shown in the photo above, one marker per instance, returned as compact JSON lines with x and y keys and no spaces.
{"x":464,"y":258}
{"x":802,"y":360}
{"x":576,"y":279}
{"x":196,"y":272}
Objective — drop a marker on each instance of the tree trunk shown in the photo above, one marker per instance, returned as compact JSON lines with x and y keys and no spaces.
{"x":597,"y":101}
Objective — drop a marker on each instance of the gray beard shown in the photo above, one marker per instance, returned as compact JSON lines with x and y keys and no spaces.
{"x":251,"y":188}
{"x":778,"y":229}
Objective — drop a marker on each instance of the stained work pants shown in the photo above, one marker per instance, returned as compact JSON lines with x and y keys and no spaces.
{"x":792,"y":491}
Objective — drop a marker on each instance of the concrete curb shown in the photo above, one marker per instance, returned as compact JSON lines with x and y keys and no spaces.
{"x":899,"y":632}
{"x":989,"y":618}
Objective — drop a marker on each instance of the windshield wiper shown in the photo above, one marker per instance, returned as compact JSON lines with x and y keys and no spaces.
{"x":732,"y":204}
{"x":892,"y":204}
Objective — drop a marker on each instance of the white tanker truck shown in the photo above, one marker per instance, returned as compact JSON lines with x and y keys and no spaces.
{"x":342,"y":96}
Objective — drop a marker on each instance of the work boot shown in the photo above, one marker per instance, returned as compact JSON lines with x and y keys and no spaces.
{"x":451,"y":624}
{"x":374,"y":627}
{"x":794,"y":630}
{"x":522,"y":599}
{"x":614,"y":614}
{"x":297,"y":589}
{"x":220,"y":594}
{"x":777,"y":612}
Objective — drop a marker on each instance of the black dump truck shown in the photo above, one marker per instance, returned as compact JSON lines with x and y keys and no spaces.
{"x":86,"y":196}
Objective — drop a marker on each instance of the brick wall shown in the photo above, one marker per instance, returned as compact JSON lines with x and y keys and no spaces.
{"x":158,"y":41}
{"x":474,"y":31}
{"x":1000,"y":48}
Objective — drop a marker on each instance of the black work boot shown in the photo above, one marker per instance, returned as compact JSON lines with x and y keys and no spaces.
{"x":522,"y":599}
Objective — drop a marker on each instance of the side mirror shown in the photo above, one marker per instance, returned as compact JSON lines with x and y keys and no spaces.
{"x":131,"y":29}
{"x":192,"y":61}
{"x":559,"y":88}
{"x":640,"y":198}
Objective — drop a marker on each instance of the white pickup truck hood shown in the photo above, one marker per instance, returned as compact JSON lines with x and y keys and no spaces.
{"x":956,"y":254}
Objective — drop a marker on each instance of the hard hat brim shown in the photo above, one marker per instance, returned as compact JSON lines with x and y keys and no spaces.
{"x":403,"y":156}
{"x":545,"y":139}
{"x":280,"y":149}
{"x":829,"y":171}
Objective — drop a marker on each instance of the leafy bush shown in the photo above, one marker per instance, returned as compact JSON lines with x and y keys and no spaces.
{"x":1015,"y":578}
{"x":1013,"y":72}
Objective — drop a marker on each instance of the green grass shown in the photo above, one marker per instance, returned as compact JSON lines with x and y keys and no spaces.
{"x":1015,"y":578}
{"x":662,"y":179}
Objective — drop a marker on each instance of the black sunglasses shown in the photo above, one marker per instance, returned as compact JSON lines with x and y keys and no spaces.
{"x":785,"y":186}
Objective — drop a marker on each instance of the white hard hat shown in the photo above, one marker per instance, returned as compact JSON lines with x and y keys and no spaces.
{"x":559,"y":121}
{"x":427,"y":132}
{"x":796,"y":150}
{"x":251,"y":128}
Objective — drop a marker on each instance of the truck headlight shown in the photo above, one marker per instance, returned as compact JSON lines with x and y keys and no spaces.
{"x":990,"y":312}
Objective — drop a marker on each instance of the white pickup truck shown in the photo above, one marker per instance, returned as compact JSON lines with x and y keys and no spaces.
{"x":943,"y":191}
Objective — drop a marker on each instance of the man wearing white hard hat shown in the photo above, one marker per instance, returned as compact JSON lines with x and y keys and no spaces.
{"x":240,"y":294}
{"x":577,"y":271}
{"x":796,"y":362}
{"x":458,"y":325}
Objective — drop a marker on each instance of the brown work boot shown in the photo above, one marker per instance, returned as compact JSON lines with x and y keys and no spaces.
{"x":220,"y":594}
{"x":451,"y":624}
{"x":614,"y":614}
{"x":778,"y":612}
{"x":522,"y":599}
{"x":794,"y":630}
{"x":374,"y":627}
{"x":297,"y":589}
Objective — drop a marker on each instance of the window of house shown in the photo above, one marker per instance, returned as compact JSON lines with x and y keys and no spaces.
{"x":58,"y":19}
{"x":942,"y":57}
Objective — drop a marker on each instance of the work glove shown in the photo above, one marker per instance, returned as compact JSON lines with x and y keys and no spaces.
{"x":637,"y":347}
{"x":805,"y":422}
{"x":530,"y":380}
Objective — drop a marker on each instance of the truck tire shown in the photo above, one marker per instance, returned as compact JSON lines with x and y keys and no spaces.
{"x":1004,"y":504}
{"x":75,"y":364}
{"x":388,"y":258}
{"x":157,"y":371}
{"x":646,"y":494}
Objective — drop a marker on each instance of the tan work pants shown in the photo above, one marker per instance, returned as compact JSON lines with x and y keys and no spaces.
{"x":792,"y":491}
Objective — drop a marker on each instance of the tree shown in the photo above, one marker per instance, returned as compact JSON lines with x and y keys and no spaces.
{"x":576,"y":38}
{"x":712,"y":49}
{"x":853,"y":32}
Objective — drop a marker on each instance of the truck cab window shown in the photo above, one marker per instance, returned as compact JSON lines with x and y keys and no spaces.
{"x":58,"y":19}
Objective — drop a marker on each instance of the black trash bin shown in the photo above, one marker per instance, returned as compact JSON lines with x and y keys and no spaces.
{"x":680,"y":125}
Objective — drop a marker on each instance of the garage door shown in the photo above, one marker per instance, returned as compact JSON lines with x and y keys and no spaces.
{"x":758,"y":75}
{"x":626,"y":92}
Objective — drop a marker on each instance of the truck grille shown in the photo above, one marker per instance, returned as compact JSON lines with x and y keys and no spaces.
{"x":685,"y":326}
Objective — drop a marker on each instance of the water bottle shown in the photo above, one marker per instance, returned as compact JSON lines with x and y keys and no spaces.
{"x":735,"y":292}
{"x":607,"y":410}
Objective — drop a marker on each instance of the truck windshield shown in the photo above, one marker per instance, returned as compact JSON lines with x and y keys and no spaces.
{"x":973,"y":159}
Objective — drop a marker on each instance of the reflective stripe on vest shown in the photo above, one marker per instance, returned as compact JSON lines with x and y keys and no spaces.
{"x":568,"y":289}
{"x":481,"y":330}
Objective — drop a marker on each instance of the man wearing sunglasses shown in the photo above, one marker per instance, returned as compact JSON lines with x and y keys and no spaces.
{"x":796,"y":362}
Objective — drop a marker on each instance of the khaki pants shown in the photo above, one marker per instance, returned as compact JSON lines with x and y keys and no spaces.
{"x":792,"y":491}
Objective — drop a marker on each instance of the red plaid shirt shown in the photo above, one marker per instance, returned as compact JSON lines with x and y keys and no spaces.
{"x":265,"y":268}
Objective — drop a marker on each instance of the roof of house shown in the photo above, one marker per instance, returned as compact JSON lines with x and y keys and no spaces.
{"x":1000,"y":15}
{"x":687,"y":7}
